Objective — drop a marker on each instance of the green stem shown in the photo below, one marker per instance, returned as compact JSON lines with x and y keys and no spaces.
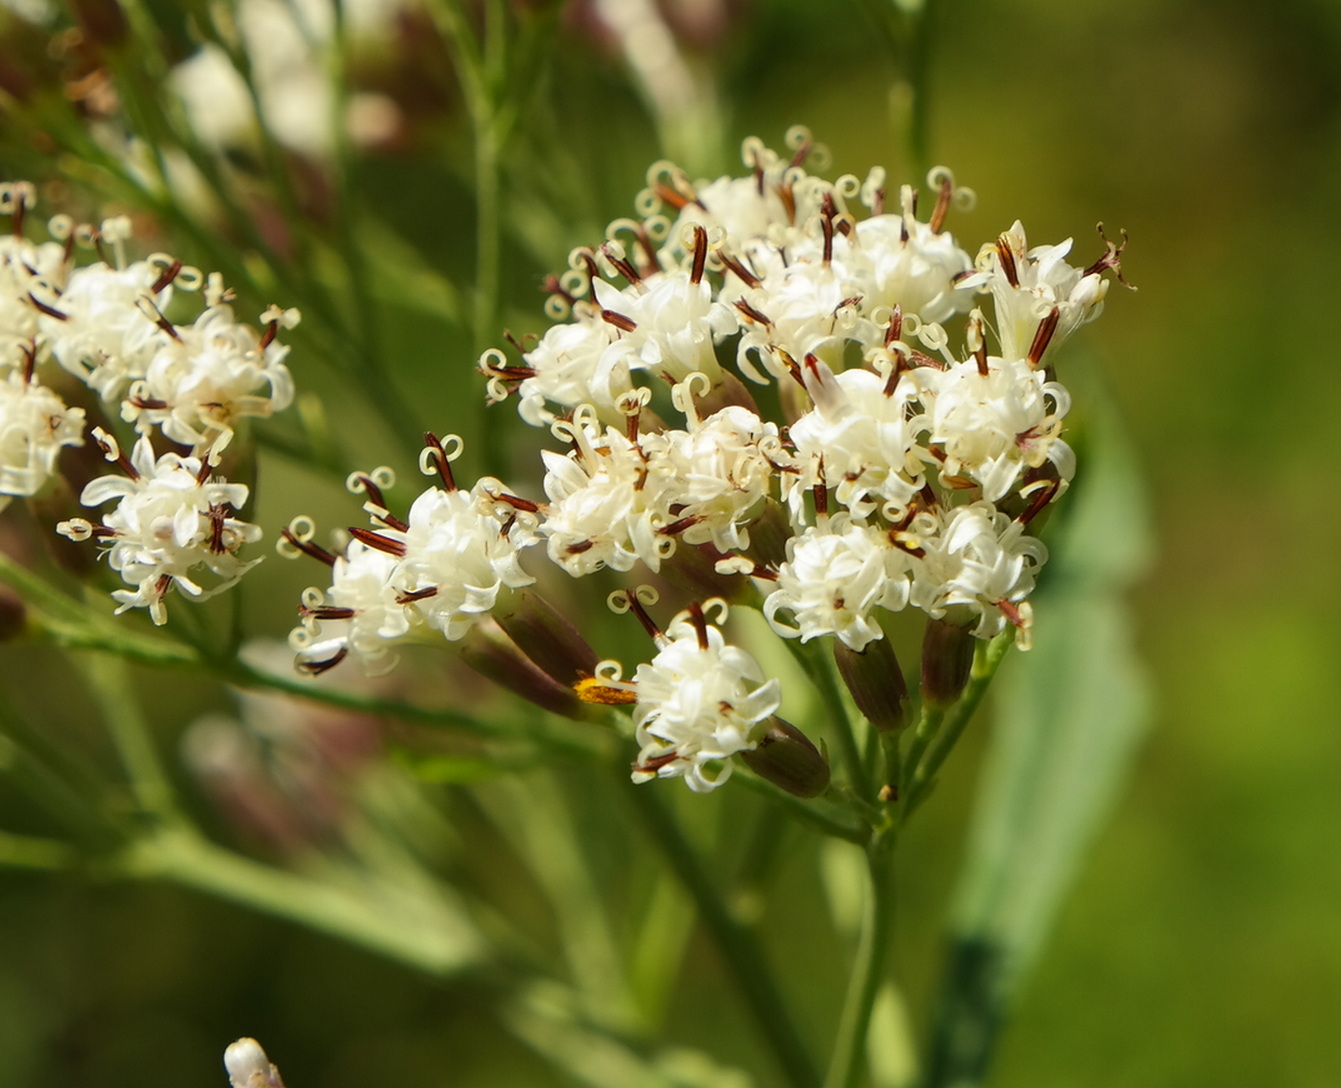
{"x":739,"y":948}
{"x":806,"y":811}
{"x":986,"y":660}
{"x":818,"y":665}
{"x":109,"y":680}
{"x":181,"y":855}
{"x":26,"y":852}
{"x":928,"y":726}
{"x":868,"y":973}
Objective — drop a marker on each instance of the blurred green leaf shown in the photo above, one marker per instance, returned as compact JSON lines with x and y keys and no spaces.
{"x":1070,"y":715}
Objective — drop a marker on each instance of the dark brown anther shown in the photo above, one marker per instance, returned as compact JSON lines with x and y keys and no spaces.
{"x":744,"y":274}
{"x":632,"y":423}
{"x":552,"y":286}
{"x":649,"y":625}
{"x":895,"y":329}
{"x":17,"y":216}
{"x":1043,"y":337}
{"x":1005,"y":256}
{"x":793,"y":367}
{"x":1112,"y":259}
{"x":921,"y":358}
{"x":826,"y":224}
{"x":593,"y":274}
{"x":899,"y":369}
{"x":802,"y":153}
{"x":942,"y":205}
{"x":1012,"y":613}
{"x":821,"y":494}
{"x":788,"y":197}
{"x":980,"y":356}
{"x":653,"y":765}
{"x":327,"y":612}
{"x":121,"y":461}
{"x":681,"y":525}
{"x":203,"y":472}
{"x":163,"y":323}
{"x":622,"y":266}
{"x":618,"y":320}
{"x":751,"y":314}
{"x":409,"y":596}
{"x":376,"y":540}
{"x":217,"y":515}
{"x":878,"y":205}
{"x":166,"y":277}
{"x":580,"y":547}
{"x":431,"y":441}
{"x":1045,"y":495}
{"x":700,"y":623}
{"x":162,"y":586}
{"x":29,"y":361}
{"x":316,"y":668}
{"x":268,"y":337}
{"x":42,"y":308}
{"x":516,"y":502}
{"x":854,"y":300}
{"x":315,"y":551}
{"x":898,"y":538}
{"x":700,"y":254}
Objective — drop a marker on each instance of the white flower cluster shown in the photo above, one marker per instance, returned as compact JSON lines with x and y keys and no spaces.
{"x":441,"y":569}
{"x":896,"y":471}
{"x":171,"y":519}
{"x":106,"y":325}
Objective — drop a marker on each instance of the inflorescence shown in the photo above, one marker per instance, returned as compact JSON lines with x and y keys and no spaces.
{"x":755,"y":392}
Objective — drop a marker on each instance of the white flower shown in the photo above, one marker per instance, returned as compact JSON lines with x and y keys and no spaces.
{"x":699,"y":701}
{"x":976,"y":559}
{"x":835,"y":577}
{"x":676,"y":324}
{"x":171,"y":519}
{"x":715,"y":475}
{"x":909,"y":265}
{"x":363,"y":596}
{"x":248,"y":1066}
{"x":27,"y":271}
{"x":108,"y":333}
{"x":1028,"y":284}
{"x":458,"y":557}
{"x":580,"y":362}
{"x":992,"y":426}
{"x":212,"y":374}
{"x":603,"y":509}
{"x":865,"y":435}
{"x":34,"y":425}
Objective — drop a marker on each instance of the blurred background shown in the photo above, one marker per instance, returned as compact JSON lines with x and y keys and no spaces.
{"x":1202,"y":943}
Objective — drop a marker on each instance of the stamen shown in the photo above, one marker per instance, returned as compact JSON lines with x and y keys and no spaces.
{"x":655,"y":763}
{"x":409,"y":596}
{"x":947,"y":189}
{"x":1006,"y":258}
{"x":1043,"y":337}
{"x":433,"y":446}
{"x":166,"y":277}
{"x":374,"y":539}
{"x":1045,"y":495}
{"x":743,"y":273}
{"x":700,"y":623}
{"x":895,"y":329}
{"x":43,"y":308}
{"x":675,"y":528}
{"x":752,"y":314}
{"x":327,"y":612}
{"x":315,"y":551}
{"x":700,"y":254}
{"x":787,"y":194}
{"x":1112,"y":259}
{"x":316,"y":668}
{"x":618,"y":320}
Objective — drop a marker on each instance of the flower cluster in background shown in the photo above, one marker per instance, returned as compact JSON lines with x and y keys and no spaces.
{"x":757,"y":393}
{"x":106,"y":326}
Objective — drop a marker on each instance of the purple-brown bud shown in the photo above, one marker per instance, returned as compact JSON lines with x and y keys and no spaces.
{"x":545,"y":636}
{"x":487,"y":649}
{"x":876,"y":682}
{"x":786,"y":758}
{"x":947,"y":659}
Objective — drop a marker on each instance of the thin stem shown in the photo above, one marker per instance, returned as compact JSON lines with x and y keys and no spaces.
{"x":986,"y":660}
{"x":818,"y":665}
{"x":27,"y":852}
{"x":806,"y":811}
{"x":868,"y":973}
{"x":739,"y":948}
{"x":109,"y":680}
{"x":928,"y":726}
{"x":183,"y":856}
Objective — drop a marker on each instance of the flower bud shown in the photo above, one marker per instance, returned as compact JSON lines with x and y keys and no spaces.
{"x":876,"y":682}
{"x":487,"y":649}
{"x":786,"y":758}
{"x":545,"y":636}
{"x":248,"y":1066}
{"x":947,"y":659}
